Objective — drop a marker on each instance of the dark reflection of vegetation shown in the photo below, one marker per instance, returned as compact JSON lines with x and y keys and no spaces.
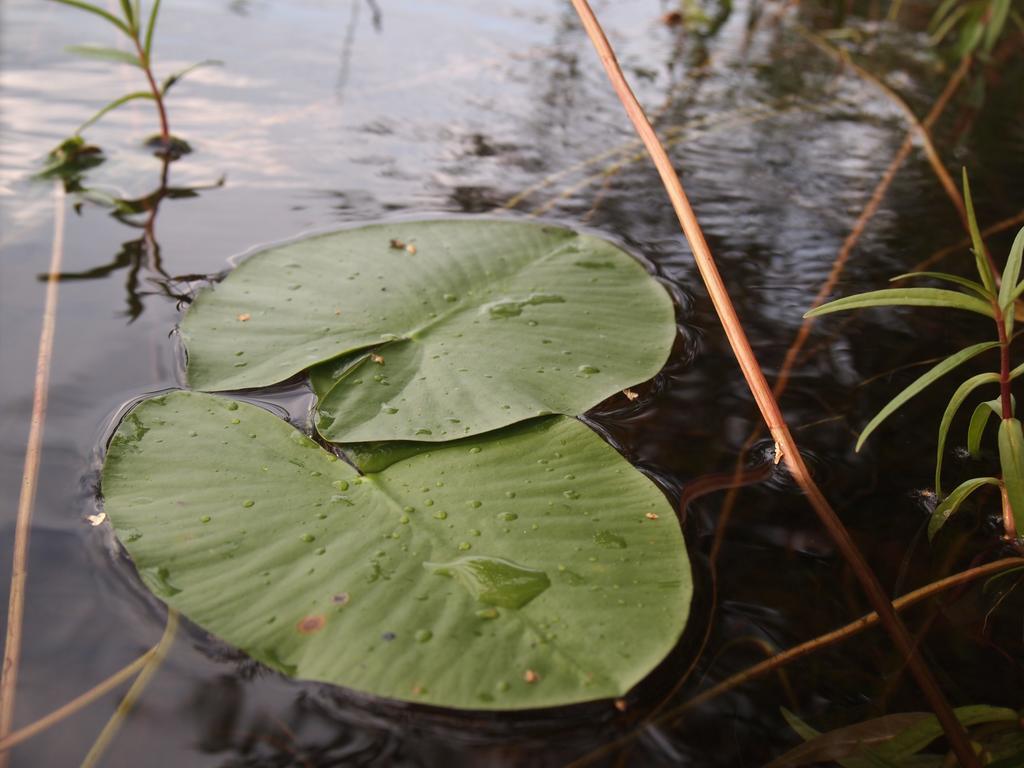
{"x":139,"y":213}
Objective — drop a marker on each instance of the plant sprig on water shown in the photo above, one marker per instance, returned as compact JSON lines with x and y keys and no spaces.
{"x":140,"y":31}
{"x":993,"y":298}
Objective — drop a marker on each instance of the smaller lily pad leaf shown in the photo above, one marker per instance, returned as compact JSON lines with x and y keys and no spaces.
{"x":1011,"y":462}
{"x":481,"y":325}
{"x":949,"y":505}
{"x":531,"y":567}
{"x":921,"y":383}
{"x":906,"y":297}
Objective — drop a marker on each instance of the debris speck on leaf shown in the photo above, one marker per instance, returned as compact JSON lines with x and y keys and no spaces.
{"x":778,"y":453}
{"x":341,"y":598}
{"x":95,"y":520}
{"x":377,"y":358}
{"x":397,"y":244}
{"x":530,"y":676}
{"x":630,"y":394}
{"x":651,"y":515}
{"x":311,"y":624}
{"x":411,"y":249}
{"x":621,"y":705}
{"x":244,"y":317}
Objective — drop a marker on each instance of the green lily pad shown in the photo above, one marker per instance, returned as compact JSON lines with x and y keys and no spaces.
{"x":529,"y":568}
{"x":486,"y":324}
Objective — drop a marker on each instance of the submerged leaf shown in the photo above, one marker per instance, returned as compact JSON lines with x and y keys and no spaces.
{"x":261,"y":537}
{"x":844,"y":745}
{"x":489,"y":323}
{"x":883,"y":742}
{"x":922,"y":383}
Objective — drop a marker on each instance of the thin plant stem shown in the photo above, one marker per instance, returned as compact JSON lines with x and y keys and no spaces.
{"x":781,"y":659}
{"x":76,"y":704}
{"x":30,"y":477}
{"x":762,"y":393}
{"x":149,"y":669}
{"x":158,"y":97}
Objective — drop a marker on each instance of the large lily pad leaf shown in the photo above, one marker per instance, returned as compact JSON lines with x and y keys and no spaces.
{"x":530,"y":568}
{"x":487,"y":323}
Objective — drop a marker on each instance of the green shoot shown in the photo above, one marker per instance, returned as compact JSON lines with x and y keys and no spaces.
{"x":994,"y":298}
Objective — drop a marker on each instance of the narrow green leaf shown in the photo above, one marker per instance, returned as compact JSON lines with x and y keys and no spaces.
{"x":1016,"y":371}
{"x":920,"y":735}
{"x":907,"y":297}
{"x":1018,"y":290}
{"x":1009,"y":289}
{"x":970,"y":35}
{"x":90,"y":8}
{"x":102,"y":53}
{"x":129,"y":14}
{"x":1011,"y":461}
{"x":150,"y":27}
{"x":944,"y":28}
{"x":980,"y":262}
{"x":996,"y":22}
{"x":979,"y":420}
{"x":973,"y":285}
{"x":176,"y":76}
{"x":940,"y":14}
{"x":949,"y":505}
{"x":850,"y":746}
{"x":114,"y":105}
{"x":955,"y":402}
{"x":922,"y":382}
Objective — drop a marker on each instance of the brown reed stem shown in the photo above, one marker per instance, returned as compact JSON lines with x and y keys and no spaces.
{"x":762,"y":393}
{"x":149,"y":669}
{"x":30,"y":478}
{"x":76,"y":704}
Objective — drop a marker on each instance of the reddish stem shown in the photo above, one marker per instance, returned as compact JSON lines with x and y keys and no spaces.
{"x":165,"y":133}
{"x":1004,"y":362}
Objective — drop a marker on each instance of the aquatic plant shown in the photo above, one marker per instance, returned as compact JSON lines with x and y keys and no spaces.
{"x":139,"y":31}
{"x":976,"y":25}
{"x":489,"y":554}
{"x":900,"y":740}
{"x":992,"y":297}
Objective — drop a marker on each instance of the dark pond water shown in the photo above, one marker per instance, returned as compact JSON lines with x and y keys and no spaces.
{"x":330,"y":113}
